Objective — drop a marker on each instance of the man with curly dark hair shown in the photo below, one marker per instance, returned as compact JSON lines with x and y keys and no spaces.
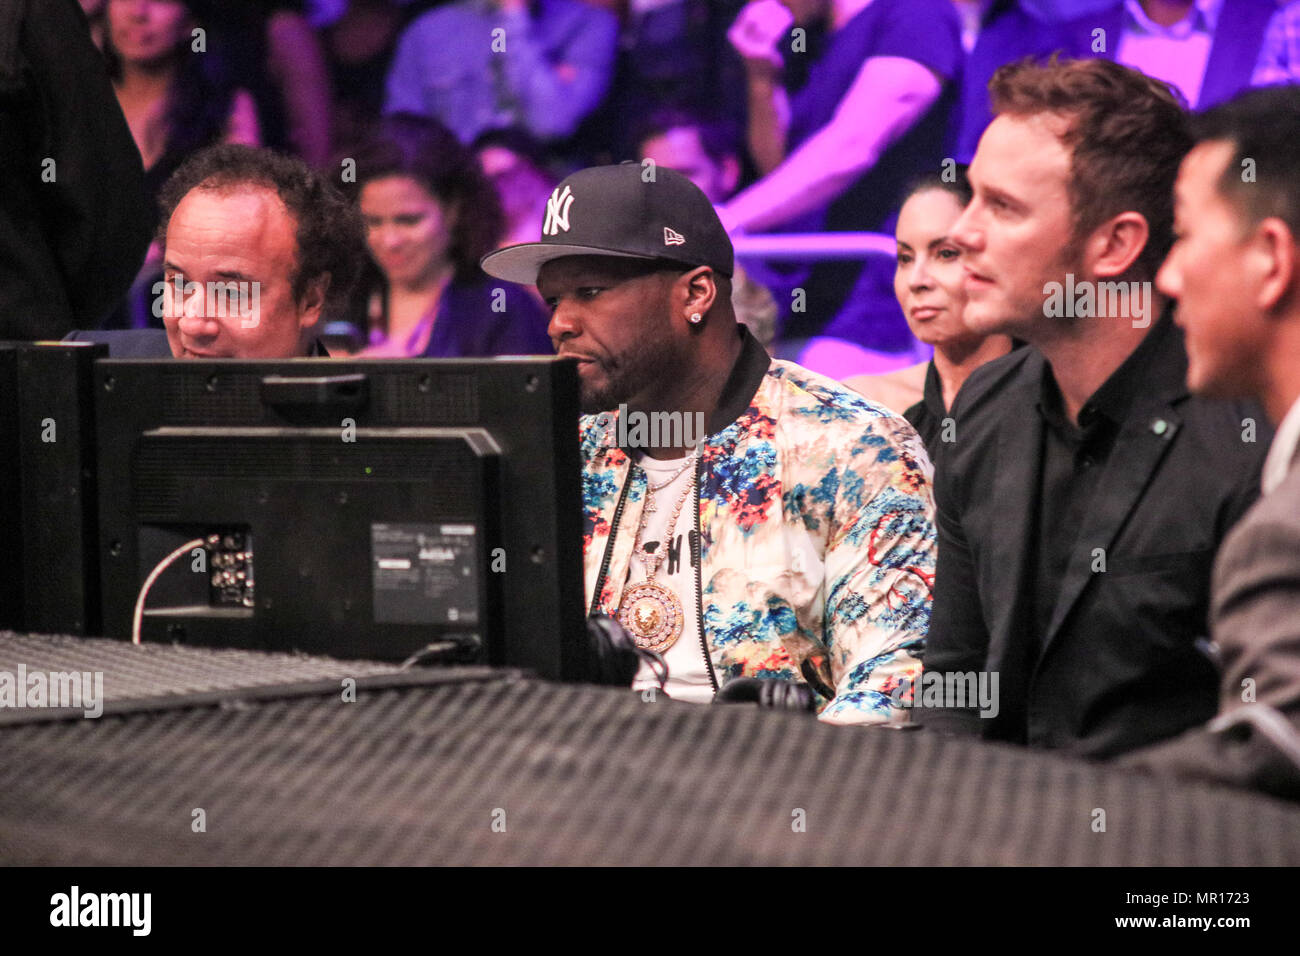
{"x":285,"y":237}
{"x":255,"y":246}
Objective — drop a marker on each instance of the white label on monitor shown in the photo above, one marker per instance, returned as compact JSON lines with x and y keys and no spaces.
{"x":424,"y":573}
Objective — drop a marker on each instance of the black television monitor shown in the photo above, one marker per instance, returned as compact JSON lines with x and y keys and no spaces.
{"x":49,"y":582}
{"x":358,"y":509}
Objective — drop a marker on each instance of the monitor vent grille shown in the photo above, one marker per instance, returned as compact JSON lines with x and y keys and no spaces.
{"x":408,"y":398}
{"x":428,"y":399}
{"x":165,"y":468}
{"x":190,"y":399}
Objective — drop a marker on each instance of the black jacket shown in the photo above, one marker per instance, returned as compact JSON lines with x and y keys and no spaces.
{"x":73,"y":231}
{"x":1119,"y":667}
{"x":927,"y":415}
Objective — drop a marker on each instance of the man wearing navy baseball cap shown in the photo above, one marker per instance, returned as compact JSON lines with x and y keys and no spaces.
{"x":744,"y":516}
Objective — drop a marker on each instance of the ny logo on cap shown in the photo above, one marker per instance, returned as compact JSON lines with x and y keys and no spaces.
{"x":672,"y":238}
{"x":557,"y":211}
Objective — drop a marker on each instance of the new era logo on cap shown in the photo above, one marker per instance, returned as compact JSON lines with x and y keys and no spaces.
{"x":672,"y":238}
{"x":557,"y":211}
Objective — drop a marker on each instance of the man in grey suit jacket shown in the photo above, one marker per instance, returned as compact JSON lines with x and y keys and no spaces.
{"x":1235,"y":272}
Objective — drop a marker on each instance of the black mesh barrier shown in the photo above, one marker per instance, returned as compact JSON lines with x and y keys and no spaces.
{"x":473,"y":766}
{"x":132,"y":673}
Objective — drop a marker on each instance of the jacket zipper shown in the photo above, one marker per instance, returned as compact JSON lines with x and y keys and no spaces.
{"x":695,"y":555}
{"x":609,"y":545}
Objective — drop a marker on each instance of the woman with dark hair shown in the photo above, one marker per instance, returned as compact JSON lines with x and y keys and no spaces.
{"x":172,"y":105}
{"x":156,"y":61}
{"x":930,"y":286}
{"x":430,"y":215}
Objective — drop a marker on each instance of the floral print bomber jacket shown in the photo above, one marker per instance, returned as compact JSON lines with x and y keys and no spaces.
{"x":815,"y":536}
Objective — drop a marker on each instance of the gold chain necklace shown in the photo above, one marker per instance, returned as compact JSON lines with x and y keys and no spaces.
{"x":650,"y":612}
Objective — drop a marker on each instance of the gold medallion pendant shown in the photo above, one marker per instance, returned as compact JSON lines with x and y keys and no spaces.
{"x":652,"y":614}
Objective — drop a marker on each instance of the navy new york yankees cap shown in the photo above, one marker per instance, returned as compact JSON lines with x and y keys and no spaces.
{"x":629,"y":211}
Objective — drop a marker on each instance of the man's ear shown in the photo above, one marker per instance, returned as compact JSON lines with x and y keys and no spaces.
{"x":1116,"y":244}
{"x":700,"y":290}
{"x":1273,"y":254}
{"x":312,"y":302}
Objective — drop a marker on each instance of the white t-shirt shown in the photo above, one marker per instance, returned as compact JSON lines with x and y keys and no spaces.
{"x":688,"y":674}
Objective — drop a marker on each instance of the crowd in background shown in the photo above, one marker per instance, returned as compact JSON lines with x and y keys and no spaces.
{"x":458,"y":118}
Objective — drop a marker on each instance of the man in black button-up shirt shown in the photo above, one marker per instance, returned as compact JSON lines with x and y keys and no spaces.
{"x":1082,"y":502}
{"x":1074,"y":458}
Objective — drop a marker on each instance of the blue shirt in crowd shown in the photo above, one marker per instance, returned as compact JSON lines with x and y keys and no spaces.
{"x":476,"y":68}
